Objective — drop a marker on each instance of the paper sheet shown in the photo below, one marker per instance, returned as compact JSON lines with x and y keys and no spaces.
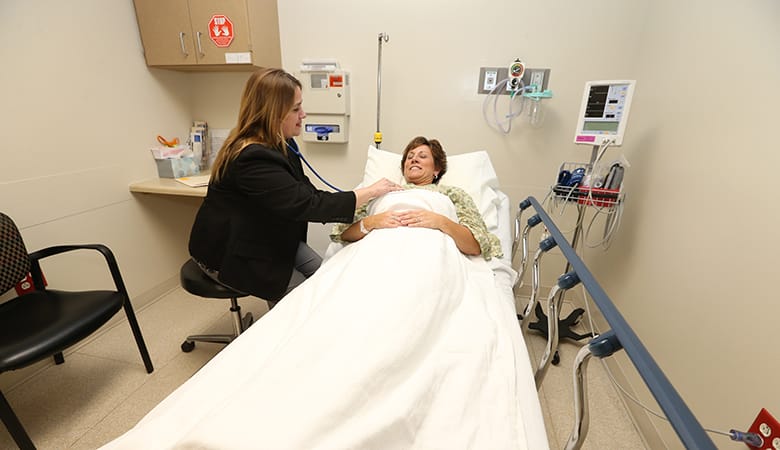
{"x":196,"y":181}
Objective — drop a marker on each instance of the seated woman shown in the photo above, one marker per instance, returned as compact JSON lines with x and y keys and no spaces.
{"x":423,"y":164}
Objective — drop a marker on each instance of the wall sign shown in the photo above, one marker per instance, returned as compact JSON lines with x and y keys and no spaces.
{"x":221,"y":30}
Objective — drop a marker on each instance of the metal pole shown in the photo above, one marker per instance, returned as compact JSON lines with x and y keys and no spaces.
{"x":378,"y":135}
{"x":580,"y":218}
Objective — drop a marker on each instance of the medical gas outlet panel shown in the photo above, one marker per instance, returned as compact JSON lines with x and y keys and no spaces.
{"x":326,"y":100}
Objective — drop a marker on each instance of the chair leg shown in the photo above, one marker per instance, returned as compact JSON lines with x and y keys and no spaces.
{"x":239,"y":325}
{"x":59,"y":358}
{"x":139,"y":338}
{"x":13,"y":425}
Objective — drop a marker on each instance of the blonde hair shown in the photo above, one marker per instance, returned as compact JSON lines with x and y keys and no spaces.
{"x":268,"y":97}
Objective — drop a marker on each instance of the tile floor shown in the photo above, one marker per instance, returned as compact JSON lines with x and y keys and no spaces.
{"x":103,"y":390}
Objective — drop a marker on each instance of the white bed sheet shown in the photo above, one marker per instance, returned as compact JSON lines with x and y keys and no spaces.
{"x":382,"y":348}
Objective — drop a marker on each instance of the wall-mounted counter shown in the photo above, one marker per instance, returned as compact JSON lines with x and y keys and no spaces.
{"x":167,"y":186}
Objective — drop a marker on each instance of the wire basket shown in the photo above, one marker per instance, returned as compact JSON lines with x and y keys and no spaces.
{"x":584,"y":184}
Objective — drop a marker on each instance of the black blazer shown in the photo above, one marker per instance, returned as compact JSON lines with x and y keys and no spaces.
{"x":249,"y":226}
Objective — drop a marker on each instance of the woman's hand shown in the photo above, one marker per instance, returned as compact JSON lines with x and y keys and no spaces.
{"x":416,"y":218}
{"x":388,"y":219}
{"x":381,"y":187}
{"x":421,"y":218}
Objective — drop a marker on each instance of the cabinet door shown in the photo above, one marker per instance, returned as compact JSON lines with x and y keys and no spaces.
{"x":201,"y":13}
{"x":166,"y":32}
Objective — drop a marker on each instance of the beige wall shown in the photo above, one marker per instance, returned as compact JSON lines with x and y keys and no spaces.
{"x":693,"y":265}
{"x":79,"y":112}
{"x":689,"y":267}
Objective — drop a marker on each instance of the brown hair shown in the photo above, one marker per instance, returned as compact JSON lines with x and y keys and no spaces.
{"x":439,"y":157}
{"x":268,"y":96}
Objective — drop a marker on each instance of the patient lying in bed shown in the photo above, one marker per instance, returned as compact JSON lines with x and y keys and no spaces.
{"x":423,"y":163}
{"x":398,"y":341}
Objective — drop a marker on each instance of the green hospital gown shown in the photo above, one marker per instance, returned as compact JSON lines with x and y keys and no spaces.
{"x":466,"y":209}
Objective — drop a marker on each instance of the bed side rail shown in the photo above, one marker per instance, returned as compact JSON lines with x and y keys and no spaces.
{"x":622,"y":336}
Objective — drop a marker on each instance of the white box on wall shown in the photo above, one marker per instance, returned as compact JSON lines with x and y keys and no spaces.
{"x":326,"y":96}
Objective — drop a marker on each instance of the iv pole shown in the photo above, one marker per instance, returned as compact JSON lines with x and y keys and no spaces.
{"x":378,"y":135}
{"x":565,"y":325}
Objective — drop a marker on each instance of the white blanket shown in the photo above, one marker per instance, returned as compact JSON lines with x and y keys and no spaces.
{"x":398,"y":341}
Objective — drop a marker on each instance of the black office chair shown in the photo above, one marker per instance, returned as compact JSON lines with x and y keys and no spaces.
{"x":196,"y":282}
{"x":43,"y":323}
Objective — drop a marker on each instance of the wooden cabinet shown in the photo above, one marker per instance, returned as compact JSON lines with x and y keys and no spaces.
{"x":176,"y":34}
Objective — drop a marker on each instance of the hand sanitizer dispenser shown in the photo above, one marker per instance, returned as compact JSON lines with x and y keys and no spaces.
{"x":326,"y":101}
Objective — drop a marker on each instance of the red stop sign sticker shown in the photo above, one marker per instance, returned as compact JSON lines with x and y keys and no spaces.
{"x":221,"y":30}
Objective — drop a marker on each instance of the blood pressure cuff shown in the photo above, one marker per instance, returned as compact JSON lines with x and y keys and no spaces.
{"x":571,"y":179}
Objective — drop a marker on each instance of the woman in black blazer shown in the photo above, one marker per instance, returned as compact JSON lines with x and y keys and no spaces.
{"x":250,"y":231}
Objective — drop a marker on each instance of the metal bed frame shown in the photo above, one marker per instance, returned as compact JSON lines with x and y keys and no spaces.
{"x":620,"y":337}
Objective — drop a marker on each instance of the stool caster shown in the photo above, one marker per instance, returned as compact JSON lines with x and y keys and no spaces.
{"x":187,"y":346}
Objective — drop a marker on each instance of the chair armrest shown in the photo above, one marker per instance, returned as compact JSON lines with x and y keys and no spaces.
{"x":38,"y":255}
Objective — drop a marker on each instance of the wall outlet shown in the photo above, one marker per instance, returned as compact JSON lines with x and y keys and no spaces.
{"x":768,"y":428}
{"x":489,"y":77}
{"x":538,"y":77}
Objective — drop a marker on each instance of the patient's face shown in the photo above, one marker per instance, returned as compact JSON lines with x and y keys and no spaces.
{"x":419,"y":166}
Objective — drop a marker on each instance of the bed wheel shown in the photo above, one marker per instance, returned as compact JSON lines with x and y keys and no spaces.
{"x":187,"y":346}
{"x":556,"y":358}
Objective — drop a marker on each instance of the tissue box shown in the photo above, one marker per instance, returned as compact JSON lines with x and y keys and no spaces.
{"x":177,"y":167}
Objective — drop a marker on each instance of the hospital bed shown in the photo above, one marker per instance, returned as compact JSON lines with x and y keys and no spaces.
{"x":384,"y":347}
{"x":619,"y":337}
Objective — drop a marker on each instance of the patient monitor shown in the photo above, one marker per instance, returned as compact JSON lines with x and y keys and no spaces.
{"x":604,"y":112}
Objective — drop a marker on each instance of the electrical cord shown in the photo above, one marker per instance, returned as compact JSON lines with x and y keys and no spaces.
{"x":603,"y":148}
{"x":554,"y":202}
{"x":614,"y":217}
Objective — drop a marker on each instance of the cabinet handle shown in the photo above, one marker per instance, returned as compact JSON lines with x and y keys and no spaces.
{"x":200,"y":48}
{"x":181,"y":41}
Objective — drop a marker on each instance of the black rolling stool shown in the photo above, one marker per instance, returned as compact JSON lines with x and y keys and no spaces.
{"x":194,"y":281}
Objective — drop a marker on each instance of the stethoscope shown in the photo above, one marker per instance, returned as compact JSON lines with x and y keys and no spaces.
{"x":295,"y":150}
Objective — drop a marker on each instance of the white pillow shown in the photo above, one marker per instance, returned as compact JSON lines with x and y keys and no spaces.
{"x":473,"y":172}
{"x":382,"y":164}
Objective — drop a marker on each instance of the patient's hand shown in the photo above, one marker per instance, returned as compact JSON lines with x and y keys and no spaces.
{"x":387,"y":219}
{"x":421,"y":218}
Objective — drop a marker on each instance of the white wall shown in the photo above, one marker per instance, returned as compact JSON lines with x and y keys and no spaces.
{"x":689,"y":267}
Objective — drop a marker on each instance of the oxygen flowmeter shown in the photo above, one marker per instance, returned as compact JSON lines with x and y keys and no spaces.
{"x":326,"y":100}
{"x":516,"y":71}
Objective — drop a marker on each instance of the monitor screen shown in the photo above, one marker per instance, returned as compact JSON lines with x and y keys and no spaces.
{"x":604,"y":112}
